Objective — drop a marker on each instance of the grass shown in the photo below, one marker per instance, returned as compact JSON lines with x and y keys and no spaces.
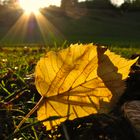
{"x":18,"y":93}
{"x":107,"y":27}
{"x":126,"y":52}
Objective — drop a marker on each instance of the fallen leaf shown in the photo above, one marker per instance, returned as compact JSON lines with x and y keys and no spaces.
{"x":78,"y":81}
{"x":131,"y":111}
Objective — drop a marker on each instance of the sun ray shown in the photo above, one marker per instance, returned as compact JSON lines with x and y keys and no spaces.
{"x":34,"y":27}
{"x":48,"y":30}
{"x":20,"y":27}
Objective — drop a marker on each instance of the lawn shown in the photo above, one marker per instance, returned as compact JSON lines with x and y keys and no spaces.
{"x":107,"y":27}
{"x":19,"y":95}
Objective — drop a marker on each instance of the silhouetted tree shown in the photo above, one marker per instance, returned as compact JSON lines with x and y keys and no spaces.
{"x":129,"y":5}
{"x":105,"y":4}
{"x":68,"y":3}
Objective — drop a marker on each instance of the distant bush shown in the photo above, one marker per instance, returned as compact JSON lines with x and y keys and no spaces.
{"x":131,"y":6}
{"x":97,"y":4}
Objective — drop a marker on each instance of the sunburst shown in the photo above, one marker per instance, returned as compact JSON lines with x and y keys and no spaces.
{"x":32,"y":6}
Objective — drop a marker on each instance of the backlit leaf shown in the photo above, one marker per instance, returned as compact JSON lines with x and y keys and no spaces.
{"x":78,"y":81}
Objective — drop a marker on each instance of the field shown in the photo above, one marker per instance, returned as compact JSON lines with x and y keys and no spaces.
{"x":117,"y":30}
{"x":106,"y":27}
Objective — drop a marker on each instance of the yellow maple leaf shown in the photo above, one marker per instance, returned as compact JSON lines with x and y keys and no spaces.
{"x":78,"y":81}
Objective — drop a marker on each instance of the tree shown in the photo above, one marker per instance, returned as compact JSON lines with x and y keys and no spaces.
{"x":129,"y":5}
{"x":68,"y":3}
{"x":99,"y":4}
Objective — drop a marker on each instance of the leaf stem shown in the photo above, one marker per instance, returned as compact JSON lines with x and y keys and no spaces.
{"x":30,"y":113}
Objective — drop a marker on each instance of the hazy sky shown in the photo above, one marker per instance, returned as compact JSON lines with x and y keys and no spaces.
{"x":57,"y":2}
{"x":117,"y":2}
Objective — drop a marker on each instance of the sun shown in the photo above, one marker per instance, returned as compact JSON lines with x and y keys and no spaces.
{"x":32,"y":6}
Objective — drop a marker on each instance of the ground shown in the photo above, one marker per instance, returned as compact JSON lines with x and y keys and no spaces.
{"x":19,"y":95}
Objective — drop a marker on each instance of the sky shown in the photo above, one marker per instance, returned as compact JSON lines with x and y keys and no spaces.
{"x":117,"y":2}
{"x":54,"y":2}
{"x":58,"y":2}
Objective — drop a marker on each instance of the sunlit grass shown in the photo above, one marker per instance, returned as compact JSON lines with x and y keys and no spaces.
{"x":17,"y":90}
{"x":126,"y":52}
{"x":18,"y":59}
{"x":98,"y":26}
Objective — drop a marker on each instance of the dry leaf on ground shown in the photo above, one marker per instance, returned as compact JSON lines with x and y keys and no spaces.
{"x":78,"y":81}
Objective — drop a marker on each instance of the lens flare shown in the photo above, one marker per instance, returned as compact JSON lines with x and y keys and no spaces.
{"x":33,"y":26}
{"x":32,"y":6}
